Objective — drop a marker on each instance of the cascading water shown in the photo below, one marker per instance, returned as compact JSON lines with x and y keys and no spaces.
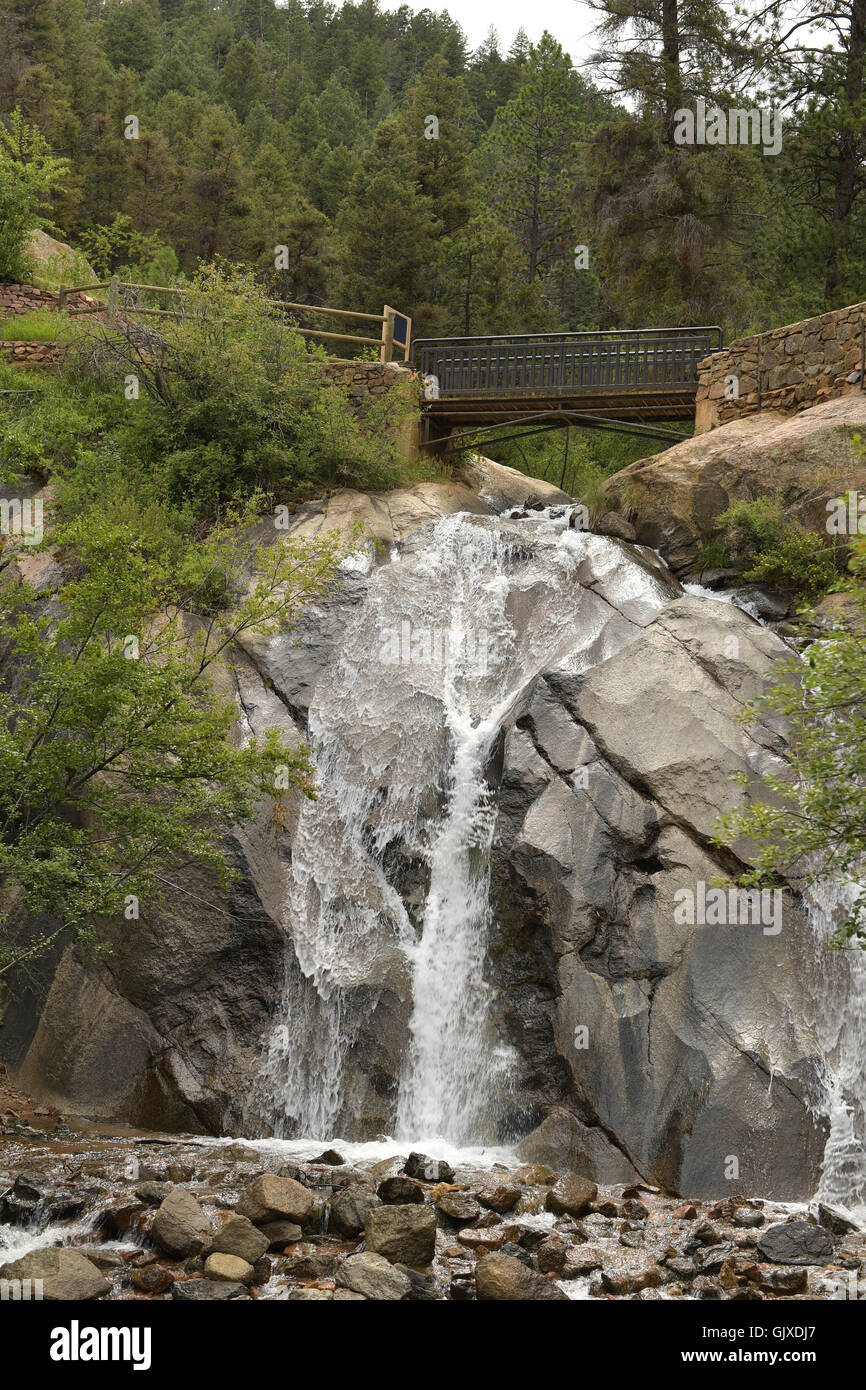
{"x":840,"y":988}
{"x":447,"y":638}
{"x":387,"y":892}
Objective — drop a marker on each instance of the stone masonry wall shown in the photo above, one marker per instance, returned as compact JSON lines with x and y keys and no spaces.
{"x":799,"y":364}
{"x":21,"y":299}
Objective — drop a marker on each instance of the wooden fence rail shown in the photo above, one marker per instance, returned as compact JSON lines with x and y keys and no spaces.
{"x":396,"y":327}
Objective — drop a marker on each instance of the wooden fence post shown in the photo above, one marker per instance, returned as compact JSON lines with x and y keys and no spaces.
{"x":61,"y":302}
{"x":113,"y":295}
{"x":387,"y":352}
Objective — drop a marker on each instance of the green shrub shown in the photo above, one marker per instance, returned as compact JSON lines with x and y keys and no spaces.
{"x":29,"y":173}
{"x":756,"y":537}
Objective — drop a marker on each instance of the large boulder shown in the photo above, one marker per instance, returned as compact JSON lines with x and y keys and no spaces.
{"x":404,"y":1235}
{"x":350,"y":1208}
{"x":684,"y":1044}
{"x":796,"y":1243}
{"x":271,"y":1198}
{"x":67,"y":1276}
{"x":239,"y":1237}
{"x":500,"y":1278}
{"x":374,"y":1277}
{"x":180,"y":1227}
{"x":674,"y":497}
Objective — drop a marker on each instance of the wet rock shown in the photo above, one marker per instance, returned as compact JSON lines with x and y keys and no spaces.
{"x":784,"y":1281}
{"x":272,"y":1198}
{"x":839,"y":1223}
{"x":308,"y":1264}
{"x":229,"y":1268}
{"x":749,"y":1217}
{"x":571,"y":1195}
{"x":280,"y":1233}
{"x":348,"y":1296}
{"x":707,"y":1234}
{"x":350,"y":1208}
{"x":499,"y":1278}
{"x":404,"y":1235}
{"x":152,"y":1279}
{"x":400,"y":1191}
{"x":796,"y":1243}
{"x":685,"y":1212}
{"x":207,"y":1290}
{"x":710,"y":1258}
{"x":152,"y":1193}
{"x":67,"y":1275}
{"x":311,"y":1295}
{"x":628,"y":1272}
{"x":239,"y":1237}
{"x":482,"y":1238}
{"x":428,"y":1169}
{"x":499,"y":1196}
{"x":262,"y":1271}
{"x":457,"y":1206}
{"x":180,"y":1227}
{"x":580,"y":1260}
{"x":706,"y":1289}
{"x":635,"y":1210}
{"x":331,"y":1157}
{"x":373,"y":1276}
{"x":179,"y":1172}
{"x":35,"y":1194}
{"x":424,"y":1288}
{"x":516,"y":1252}
{"x":563,"y":1141}
{"x":551,"y":1254}
{"x":530,"y":1237}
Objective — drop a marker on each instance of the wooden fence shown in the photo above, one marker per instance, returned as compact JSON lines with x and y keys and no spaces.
{"x":395,"y":336}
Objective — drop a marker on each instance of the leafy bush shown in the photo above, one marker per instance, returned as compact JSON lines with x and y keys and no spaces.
{"x":770,"y":550}
{"x":233,"y":401}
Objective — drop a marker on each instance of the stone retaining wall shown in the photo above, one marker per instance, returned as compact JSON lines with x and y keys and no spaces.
{"x":22,"y":299}
{"x":31,"y":354}
{"x":799,"y":365}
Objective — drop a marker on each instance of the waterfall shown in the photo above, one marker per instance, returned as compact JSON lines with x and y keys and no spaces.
{"x":450,"y":633}
{"x":840,"y":1012}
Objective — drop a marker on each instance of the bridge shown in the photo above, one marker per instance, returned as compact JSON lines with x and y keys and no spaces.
{"x":618,"y":379}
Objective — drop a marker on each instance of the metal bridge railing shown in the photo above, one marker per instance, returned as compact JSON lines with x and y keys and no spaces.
{"x":640,"y":359}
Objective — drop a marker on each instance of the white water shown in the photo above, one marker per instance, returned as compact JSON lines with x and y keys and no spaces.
{"x":449,"y":635}
{"x":435,"y":659}
{"x":840,"y":981}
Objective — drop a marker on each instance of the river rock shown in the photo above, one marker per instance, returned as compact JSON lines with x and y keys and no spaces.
{"x":499,"y":1278}
{"x":239,"y":1237}
{"x":280,"y":1233}
{"x":270,"y":1198}
{"x":404,"y":1235}
{"x":457,"y":1206}
{"x":571,"y":1196}
{"x":180,"y":1227}
{"x":228,"y":1267}
{"x":428,"y":1169}
{"x":350,"y":1208}
{"x":153,"y":1279}
{"x":67,"y":1275}
{"x":207,"y":1290}
{"x":373,"y":1276}
{"x":498,"y":1196}
{"x":400,"y":1191}
{"x":796,"y":1243}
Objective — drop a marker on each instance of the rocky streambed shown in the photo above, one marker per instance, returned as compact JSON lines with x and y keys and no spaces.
{"x":101,"y":1215}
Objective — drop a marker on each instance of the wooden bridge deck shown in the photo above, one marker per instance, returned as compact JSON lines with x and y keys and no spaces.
{"x":633,"y":375}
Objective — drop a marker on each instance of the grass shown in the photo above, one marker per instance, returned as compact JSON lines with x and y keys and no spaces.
{"x":36,"y":326}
